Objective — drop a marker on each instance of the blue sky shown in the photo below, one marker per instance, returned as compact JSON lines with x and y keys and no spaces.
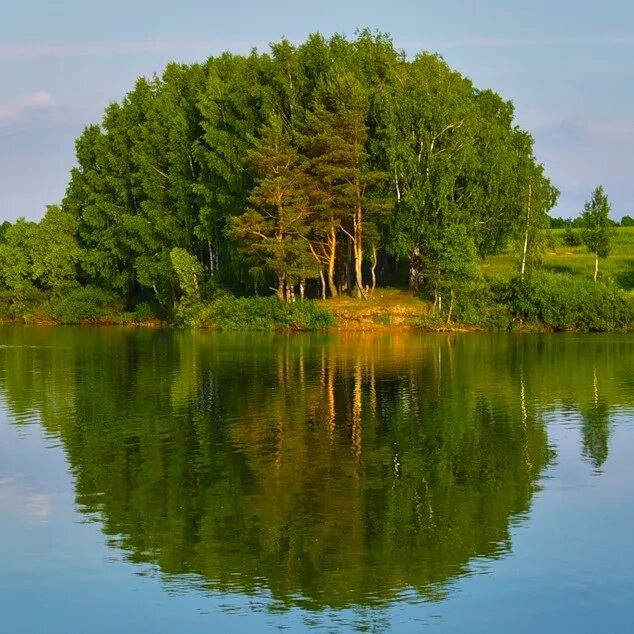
{"x":568,"y":65}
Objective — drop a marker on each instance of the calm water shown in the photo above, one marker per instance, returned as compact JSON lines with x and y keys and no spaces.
{"x":200,"y":482}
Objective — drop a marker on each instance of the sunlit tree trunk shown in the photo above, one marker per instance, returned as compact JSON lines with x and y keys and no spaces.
{"x":332,"y":254}
{"x":322,"y":283}
{"x":357,"y":246}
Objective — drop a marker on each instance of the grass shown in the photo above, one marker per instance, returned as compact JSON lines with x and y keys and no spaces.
{"x":576,"y":261}
{"x":388,"y":307}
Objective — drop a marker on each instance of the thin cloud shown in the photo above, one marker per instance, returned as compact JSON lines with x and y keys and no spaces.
{"x":21,"y":106}
{"x":33,"y":503}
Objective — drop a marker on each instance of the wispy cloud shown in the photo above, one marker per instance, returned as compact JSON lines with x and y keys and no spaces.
{"x":39,"y":505}
{"x":18,"y":108}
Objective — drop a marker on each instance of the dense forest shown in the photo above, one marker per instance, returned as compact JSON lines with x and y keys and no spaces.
{"x":315,"y":170}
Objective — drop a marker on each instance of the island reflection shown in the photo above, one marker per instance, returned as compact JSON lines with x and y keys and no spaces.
{"x":330,"y":470}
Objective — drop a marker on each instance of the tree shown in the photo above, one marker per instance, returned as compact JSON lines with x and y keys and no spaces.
{"x":366,"y":132}
{"x":189,"y":271}
{"x":627,"y":221}
{"x":273,"y":233}
{"x":597,"y":227}
{"x":3,"y":230}
{"x":429,"y":139}
{"x":558,"y":223}
{"x":337,"y":126}
{"x":449,"y":263}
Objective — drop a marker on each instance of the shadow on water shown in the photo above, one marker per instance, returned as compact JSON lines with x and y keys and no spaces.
{"x":327,"y":470}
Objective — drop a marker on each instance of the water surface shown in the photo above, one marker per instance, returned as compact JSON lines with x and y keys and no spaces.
{"x":161,"y":481}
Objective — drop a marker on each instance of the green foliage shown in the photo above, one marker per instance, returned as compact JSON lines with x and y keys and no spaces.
{"x":188,"y":271}
{"x":312,"y":162}
{"x":383,"y":319}
{"x":83,"y":304}
{"x":296,"y":164}
{"x":597,"y":227}
{"x":3,"y":229}
{"x":558,"y":223}
{"x":307,"y":315}
{"x":479,"y":305}
{"x":20,"y":303}
{"x":627,"y":221}
{"x":563,"y":302}
{"x":273,"y":234}
{"x":257,"y":314}
{"x":572,"y":238}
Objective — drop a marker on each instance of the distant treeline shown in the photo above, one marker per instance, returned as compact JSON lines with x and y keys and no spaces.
{"x":578,"y":222}
{"x":322,"y":168}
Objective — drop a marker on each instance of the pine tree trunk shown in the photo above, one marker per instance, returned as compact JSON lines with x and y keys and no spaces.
{"x":346,"y":282}
{"x":332,"y":243}
{"x":322,"y":279}
{"x":596,"y":266}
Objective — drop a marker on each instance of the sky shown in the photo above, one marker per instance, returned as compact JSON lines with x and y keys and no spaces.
{"x":567,"y":65}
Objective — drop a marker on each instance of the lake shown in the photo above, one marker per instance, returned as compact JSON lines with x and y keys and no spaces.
{"x":167,"y":481}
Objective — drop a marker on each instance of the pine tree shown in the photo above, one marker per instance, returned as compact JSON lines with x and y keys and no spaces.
{"x":273,"y":232}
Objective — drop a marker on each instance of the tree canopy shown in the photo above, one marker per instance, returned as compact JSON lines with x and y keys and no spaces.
{"x":310,"y":166}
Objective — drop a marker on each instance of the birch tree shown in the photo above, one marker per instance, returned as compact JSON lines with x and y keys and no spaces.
{"x":597,"y":226}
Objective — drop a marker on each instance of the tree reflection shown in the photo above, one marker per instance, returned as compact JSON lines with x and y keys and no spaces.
{"x":332,"y":470}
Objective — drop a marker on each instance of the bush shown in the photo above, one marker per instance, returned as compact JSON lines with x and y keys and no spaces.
{"x":478,"y":305}
{"x":83,"y":303}
{"x":572,"y":238}
{"x":564,"y":302}
{"x":255,"y":314}
{"x":433,"y":321}
{"x":307,"y":315}
{"x":143,"y":313}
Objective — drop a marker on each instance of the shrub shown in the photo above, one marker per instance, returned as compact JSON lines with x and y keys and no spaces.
{"x":20,"y":302}
{"x":478,"y":305}
{"x":307,"y":315}
{"x":572,"y":238}
{"x":255,"y":313}
{"x":563,"y":302}
{"x":82,"y":303}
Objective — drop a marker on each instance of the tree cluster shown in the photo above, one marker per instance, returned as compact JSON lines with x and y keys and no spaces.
{"x":313,"y":168}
